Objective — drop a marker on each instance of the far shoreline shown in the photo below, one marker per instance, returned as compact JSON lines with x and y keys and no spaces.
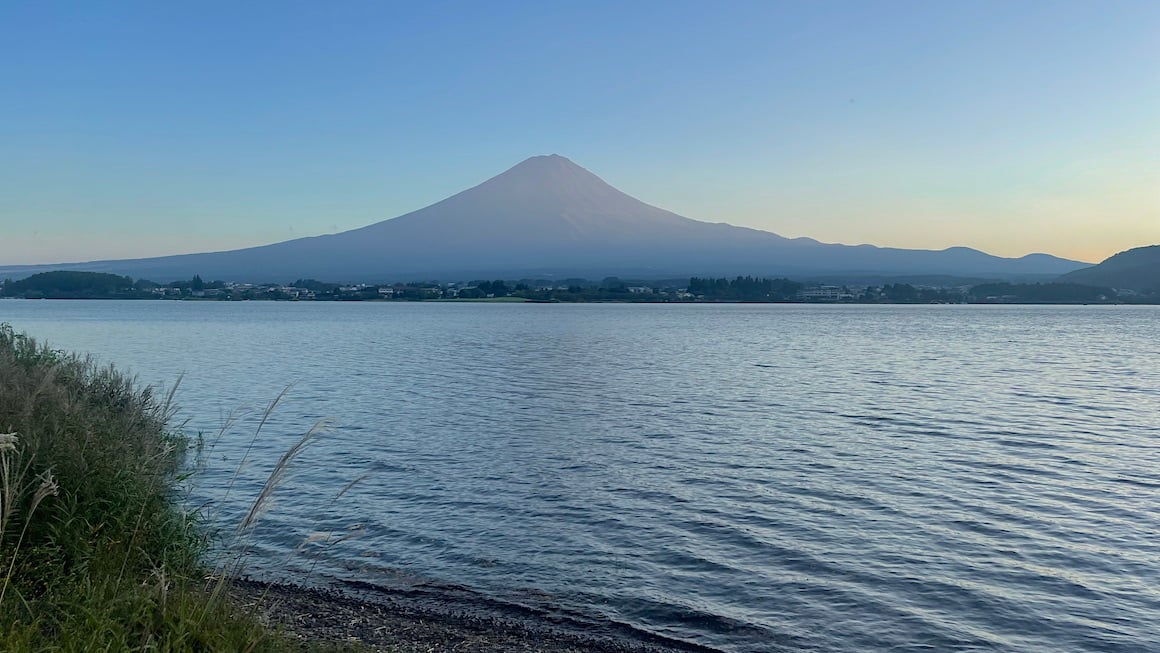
{"x":65,"y":284}
{"x":521,"y":300}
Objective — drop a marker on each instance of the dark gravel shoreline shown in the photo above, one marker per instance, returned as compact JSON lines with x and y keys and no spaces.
{"x":403,"y":622}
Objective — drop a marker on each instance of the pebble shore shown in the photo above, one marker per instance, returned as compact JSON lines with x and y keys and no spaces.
{"x":401,"y":624}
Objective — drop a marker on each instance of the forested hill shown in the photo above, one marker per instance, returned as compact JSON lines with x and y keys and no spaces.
{"x":1135,"y":269}
{"x":69,"y":285}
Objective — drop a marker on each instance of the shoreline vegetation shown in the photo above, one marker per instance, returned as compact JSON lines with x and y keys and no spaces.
{"x":97,"y":551}
{"x":97,"y":285}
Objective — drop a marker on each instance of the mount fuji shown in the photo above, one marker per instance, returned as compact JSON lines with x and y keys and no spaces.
{"x":548,"y":217}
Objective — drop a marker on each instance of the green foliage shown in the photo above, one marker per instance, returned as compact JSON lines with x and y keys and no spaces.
{"x":495,"y":288}
{"x":1053,"y":293}
{"x":904,"y":293}
{"x":110,"y":562}
{"x":613,"y":284}
{"x":745,"y":289}
{"x":197,"y":284}
{"x":901,"y":293}
{"x":315,"y":285}
{"x":68,"y":284}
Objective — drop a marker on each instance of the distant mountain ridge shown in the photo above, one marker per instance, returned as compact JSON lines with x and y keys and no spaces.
{"x":548,"y":217}
{"x":1134,"y":269}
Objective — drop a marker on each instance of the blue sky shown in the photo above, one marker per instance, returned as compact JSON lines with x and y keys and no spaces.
{"x":138,"y":129}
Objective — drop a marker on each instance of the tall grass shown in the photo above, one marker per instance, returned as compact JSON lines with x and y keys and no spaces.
{"x":96,"y":553}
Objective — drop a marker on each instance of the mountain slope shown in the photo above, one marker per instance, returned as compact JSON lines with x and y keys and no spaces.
{"x":548,"y":216}
{"x":1135,"y":269}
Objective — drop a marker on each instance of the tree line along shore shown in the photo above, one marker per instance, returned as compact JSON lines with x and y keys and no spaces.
{"x":96,"y":285}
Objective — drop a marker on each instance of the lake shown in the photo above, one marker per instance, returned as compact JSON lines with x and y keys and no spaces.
{"x":742,"y":477}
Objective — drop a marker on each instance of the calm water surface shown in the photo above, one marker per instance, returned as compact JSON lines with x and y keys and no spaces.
{"x":745,"y":477}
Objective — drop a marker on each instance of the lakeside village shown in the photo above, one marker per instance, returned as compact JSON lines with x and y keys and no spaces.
{"x":94,"y":285}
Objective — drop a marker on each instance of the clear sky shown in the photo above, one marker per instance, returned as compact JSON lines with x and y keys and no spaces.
{"x":148,"y":128}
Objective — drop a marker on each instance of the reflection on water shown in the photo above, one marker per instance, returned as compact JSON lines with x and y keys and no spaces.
{"x":751,"y":478}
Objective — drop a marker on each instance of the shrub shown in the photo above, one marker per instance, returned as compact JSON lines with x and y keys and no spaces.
{"x":96,"y":552}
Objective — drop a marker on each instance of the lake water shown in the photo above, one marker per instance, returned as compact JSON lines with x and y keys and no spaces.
{"x":743,"y":477}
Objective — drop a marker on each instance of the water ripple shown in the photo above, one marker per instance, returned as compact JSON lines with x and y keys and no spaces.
{"x":746,"y":478}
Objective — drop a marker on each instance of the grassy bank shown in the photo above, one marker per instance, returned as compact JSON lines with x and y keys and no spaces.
{"x":95,"y":552}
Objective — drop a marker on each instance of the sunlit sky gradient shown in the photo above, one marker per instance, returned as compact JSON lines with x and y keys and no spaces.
{"x":151,"y":128}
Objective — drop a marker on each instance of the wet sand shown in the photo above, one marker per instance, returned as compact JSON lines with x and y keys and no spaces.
{"x":406,"y":622}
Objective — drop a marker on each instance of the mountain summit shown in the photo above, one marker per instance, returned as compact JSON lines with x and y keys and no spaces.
{"x":546,"y":202}
{"x":548,"y":217}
